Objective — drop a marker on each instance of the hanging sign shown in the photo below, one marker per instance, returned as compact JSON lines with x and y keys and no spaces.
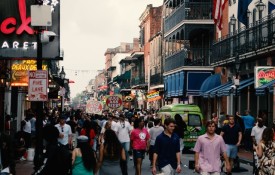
{"x":38,"y":85}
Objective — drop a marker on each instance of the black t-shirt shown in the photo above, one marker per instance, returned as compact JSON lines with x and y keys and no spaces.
{"x":231,"y":134}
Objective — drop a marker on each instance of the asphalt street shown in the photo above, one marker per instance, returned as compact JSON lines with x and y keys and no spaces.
{"x":146,"y":170}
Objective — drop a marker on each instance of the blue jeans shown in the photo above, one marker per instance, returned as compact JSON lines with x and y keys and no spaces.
{"x":126,"y":146}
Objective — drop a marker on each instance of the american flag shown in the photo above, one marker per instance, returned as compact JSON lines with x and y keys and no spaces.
{"x":217,"y":12}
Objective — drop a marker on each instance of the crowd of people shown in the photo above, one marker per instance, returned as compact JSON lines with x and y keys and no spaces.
{"x":78,"y":143}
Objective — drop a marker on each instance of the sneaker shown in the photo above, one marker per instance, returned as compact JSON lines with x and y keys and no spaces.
{"x":131,"y":157}
{"x":22,"y":158}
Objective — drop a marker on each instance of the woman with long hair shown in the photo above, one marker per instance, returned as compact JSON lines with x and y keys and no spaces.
{"x":83,"y":158}
{"x":88,"y":131}
{"x":266,"y":153}
{"x":110,"y":154}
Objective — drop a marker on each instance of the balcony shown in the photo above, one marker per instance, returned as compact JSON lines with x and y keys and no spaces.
{"x":192,"y":57}
{"x":188,"y":11}
{"x":156,"y":79}
{"x":258,"y":38}
{"x":138,"y":80}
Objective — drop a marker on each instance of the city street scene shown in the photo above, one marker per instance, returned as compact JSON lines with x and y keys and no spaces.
{"x":137,"y":87}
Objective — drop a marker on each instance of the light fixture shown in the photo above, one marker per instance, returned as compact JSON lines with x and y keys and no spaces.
{"x":233,"y":20}
{"x":237,"y":63}
{"x":62,"y":73}
{"x":260,"y":6}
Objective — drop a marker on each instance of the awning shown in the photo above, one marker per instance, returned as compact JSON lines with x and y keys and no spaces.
{"x":209,"y":83}
{"x":173,"y":84}
{"x":194,"y":82}
{"x":213,"y":92}
{"x":266,"y":87}
{"x":227,"y":90}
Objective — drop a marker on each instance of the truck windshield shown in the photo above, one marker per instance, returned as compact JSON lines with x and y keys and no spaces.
{"x":194,"y":120}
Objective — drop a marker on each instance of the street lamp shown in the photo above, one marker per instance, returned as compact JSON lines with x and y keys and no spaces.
{"x":233,"y":22}
{"x":62,"y":75}
{"x":248,"y":13}
{"x":237,"y":80}
{"x":260,"y":6}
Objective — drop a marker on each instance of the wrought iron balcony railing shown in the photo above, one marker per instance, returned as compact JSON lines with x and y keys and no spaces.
{"x":192,"y":57}
{"x":138,"y":80}
{"x":188,"y":11}
{"x":156,"y":79}
{"x":259,"y":35}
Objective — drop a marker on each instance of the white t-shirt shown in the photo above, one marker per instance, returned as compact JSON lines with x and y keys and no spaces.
{"x":154,"y":132}
{"x":257,"y":132}
{"x":27,"y":128}
{"x":67,"y":131}
{"x":114,"y":127}
{"x":123,"y":133}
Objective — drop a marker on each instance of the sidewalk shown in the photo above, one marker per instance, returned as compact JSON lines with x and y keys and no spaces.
{"x":245,"y":157}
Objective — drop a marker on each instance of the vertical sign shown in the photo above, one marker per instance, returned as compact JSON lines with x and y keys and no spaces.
{"x":38,"y":85}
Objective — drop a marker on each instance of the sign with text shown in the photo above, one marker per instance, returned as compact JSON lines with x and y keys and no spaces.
{"x":153,"y":96}
{"x":263,"y":75}
{"x":94,"y":107}
{"x":19,"y":71}
{"x":18,"y":38}
{"x":38,"y":85}
{"x":114,"y":101}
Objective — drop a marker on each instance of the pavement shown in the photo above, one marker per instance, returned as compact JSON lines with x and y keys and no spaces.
{"x":26,"y":167}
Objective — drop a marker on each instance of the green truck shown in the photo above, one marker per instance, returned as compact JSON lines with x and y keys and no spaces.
{"x":191,"y":115}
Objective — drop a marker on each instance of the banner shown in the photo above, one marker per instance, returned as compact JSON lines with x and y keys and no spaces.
{"x":153,"y":96}
{"x":114,"y":102}
{"x":94,"y":107}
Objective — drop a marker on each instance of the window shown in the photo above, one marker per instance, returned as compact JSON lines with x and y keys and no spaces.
{"x":194,"y":120}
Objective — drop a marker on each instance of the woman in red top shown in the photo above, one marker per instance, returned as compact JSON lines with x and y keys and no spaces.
{"x":88,"y":131}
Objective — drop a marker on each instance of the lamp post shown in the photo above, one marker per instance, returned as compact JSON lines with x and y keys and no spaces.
{"x":248,"y":13}
{"x":237,"y":80}
{"x":233,"y":22}
{"x":260,"y":6}
{"x":62,"y":76}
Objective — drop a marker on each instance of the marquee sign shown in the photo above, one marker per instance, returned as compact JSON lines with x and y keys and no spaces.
{"x":18,"y":37}
{"x":263,"y":75}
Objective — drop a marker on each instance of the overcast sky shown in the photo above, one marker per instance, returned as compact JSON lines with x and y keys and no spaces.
{"x":89,"y":27}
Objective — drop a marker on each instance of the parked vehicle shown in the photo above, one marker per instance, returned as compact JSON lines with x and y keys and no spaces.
{"x":191,"y":115}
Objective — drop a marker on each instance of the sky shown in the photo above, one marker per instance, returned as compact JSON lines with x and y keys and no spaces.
{"x":89,"y":27}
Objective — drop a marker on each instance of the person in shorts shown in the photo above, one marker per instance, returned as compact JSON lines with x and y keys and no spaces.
{"x":232,"y":135}
{"x":139,"y":139}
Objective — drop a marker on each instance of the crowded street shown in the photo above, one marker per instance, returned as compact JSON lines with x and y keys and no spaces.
{"x":137,"y":87}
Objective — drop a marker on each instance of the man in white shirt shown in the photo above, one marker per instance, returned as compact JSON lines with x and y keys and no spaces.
{"x":256,"y":134}
{"x":65,"y":133}
{"x":123,"y":134}
{"x":257,"y":131}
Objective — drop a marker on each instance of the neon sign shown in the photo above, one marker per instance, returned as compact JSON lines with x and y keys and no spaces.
{"x":264,"y":75}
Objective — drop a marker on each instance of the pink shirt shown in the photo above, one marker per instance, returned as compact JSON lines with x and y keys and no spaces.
{"x":209,"y":153}
{"x":139,"y":138}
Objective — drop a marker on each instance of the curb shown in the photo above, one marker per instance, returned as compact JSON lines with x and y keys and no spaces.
{"x":246,"y":161}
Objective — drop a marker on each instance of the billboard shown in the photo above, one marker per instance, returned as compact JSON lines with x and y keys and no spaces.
{"x":18,"y":38}
{"x":263,"y":75}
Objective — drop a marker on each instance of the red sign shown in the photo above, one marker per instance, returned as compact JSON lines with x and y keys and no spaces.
{"x":114,"y":101}
{"x":8,"y":26}
{"x":94,"y":107}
